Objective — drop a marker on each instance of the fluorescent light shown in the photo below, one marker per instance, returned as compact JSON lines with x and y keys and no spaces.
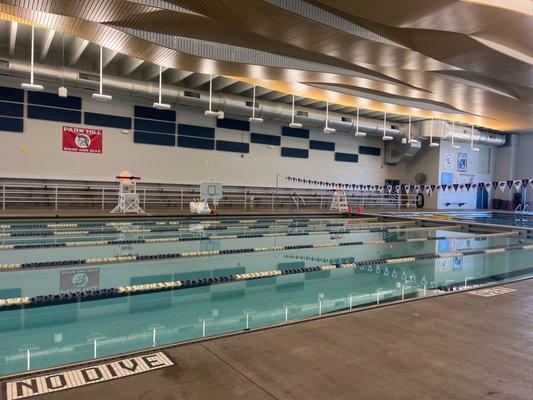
{"x":475,"y":148}
{"x":101,"y":97}
{"x":210,"y":113}
{"x":433,"y":144}
{"x":387,"y":138}
{"x":220,"y":115}
{"x":413,"y":141}
{"x":161,"y":106}
{"x":455,"y":146}
{"x":31,"y":86}
{"x":255,"y":120}
{"x":295,"y":125}
{"x":62,"y":91}
{"x":327,"y":129}
{"x":359,"y":134}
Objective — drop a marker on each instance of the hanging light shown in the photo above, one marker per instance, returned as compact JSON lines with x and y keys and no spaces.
{"x":210,"y":112}
{"x":160,"y":105}
{"x":357,"y":133}
{"x":409,"y":132}
{"x":472,"y":139}
{"x":62,"y":91}
{"x":431,"y":142}
{"x":327,"y":129}
{"x":455,"y":146}
{"x":294,"y":124}
{"x":253,"y":119}
{"x":31,"y":85}
{"x":100,"y":96}
{"x":385,"y":136}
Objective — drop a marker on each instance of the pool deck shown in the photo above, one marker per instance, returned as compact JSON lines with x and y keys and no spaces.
{"x":458,"y":346}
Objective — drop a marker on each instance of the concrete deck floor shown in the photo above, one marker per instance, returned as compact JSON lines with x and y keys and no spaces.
{"x":459,"y":346}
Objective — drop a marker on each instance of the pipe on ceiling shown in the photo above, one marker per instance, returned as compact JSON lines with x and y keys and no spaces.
{"x":230,"y":104}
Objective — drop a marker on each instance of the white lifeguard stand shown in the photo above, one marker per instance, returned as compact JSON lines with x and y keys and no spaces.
{"x":128,"y":198}
{"x":339,"y":202}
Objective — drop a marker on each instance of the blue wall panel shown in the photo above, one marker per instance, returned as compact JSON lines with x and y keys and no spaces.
{"x":265,"y":139}
{"x":154,"y":113}
{"x":196,"y":131}
{"x":11,"y":109}
{"x":148,"y":125}
{"x":11,"y":94}
{"x":296,"y":153}
{"x":154,"y":138}
{"x":54,"y":114}
{"x":295,"y":132}
{"x":11,"y":124}
{"x":346,"y":157}
{"x":112,"y":121}
{"x":196,"y":143}
{"x":320,"y":145}
{"x":53,"y":100}
{"x":237,"y":124}
{"x":236,"y":147}
{"x":369,"y":151}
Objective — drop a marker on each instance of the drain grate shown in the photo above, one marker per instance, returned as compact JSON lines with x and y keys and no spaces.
{"x":491,"y":292}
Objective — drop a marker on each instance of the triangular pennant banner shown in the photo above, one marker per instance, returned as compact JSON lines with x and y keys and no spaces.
{"x":502,"y":185}
{"x":455,"y":186}
{"x":468,"y":186}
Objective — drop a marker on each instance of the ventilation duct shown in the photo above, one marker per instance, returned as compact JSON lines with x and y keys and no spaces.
{"x":445,"y":130}
{"x":221,"y":102}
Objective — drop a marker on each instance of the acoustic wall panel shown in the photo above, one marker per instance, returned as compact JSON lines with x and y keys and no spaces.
{"x":295,"y":153}
{"x":346,"y":157}
{"x":236,"y":124}
{"x":196,"y":131}
{"x":112,"y":121}
{"x":295,"y":132}
{"x":265,"y":139}
{"x":154,"y":138}
{"x":236,"y":147}
{"x":54,"y":114}
{"x":53,"y":100}
{"x":11,"y":109}
{"x":11,"y":124}
{"x":196,"y":143}
{"x":369,"y":150}
{"x":148,"y":125}
{"x":154,"y":113}
{"x":320,"y":145}
{"x":11,"y":94}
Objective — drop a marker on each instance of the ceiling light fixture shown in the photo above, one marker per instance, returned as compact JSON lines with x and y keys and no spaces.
{"x":454,"y":146}
{"x":357,"y":133}
{"x":62,"y":91}
{"x":31,"y":85}
{"x":253,"y":119}
{"x":409,"y":132}
{"x":327,"y":129}
{"x":472,"y":139}
{"x":294,"y":124}
{"x":100,"y":96}
{"x":385,"y":136}
{"x":210,"y":112}
{"x":431,"y":142}
{"x":160,"y":105}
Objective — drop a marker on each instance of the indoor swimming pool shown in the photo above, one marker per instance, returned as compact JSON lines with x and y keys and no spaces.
{"x":518,"y":219}
{"x":74,"y":290}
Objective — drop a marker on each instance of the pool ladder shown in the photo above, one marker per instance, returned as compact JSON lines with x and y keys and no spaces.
{"x":297,"y":200}
{"x":522,"y":210}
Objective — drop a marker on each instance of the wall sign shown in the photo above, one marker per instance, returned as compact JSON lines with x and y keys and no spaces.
{"x":82,"y":140}
{"x":462,"y":162}
{"x":448,"y":160}
{"x":23,"y":388}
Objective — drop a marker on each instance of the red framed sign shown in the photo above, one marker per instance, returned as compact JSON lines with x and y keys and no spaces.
{"x":82,"y":140}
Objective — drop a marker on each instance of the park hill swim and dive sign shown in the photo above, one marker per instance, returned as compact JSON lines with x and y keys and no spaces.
{"x":82,"y":140}
{"x":23,"y":388}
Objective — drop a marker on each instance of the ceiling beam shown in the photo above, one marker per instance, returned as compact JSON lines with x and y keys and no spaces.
{"x":129,"y":65}
{"x":13,"y":37}
{"x":151,"y":71}
{"x":196,"y":80}
{"x":108,"y":56}
{"x":221,"y":82}
{"x":238,"y":87}
{"x":77,"y":49}
{"x":174,"y":76}
{"x":49,"y":36}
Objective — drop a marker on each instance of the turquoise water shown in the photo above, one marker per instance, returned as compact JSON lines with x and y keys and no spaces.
{"x":60,"y":334}
{"x":517,"y":219}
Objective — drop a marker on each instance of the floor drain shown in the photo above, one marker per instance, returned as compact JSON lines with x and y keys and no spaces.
{"x":491,"y":292}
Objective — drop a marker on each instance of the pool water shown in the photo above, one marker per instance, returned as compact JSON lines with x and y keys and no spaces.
{"x":63,"y":333}
{"x":519,"y":219}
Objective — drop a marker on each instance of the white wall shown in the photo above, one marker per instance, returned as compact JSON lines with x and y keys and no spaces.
{"x":37,"y":153}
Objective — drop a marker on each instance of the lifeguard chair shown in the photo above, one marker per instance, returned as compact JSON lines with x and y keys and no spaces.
{"x":339,"y":202}
{"x":128,"y":198}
